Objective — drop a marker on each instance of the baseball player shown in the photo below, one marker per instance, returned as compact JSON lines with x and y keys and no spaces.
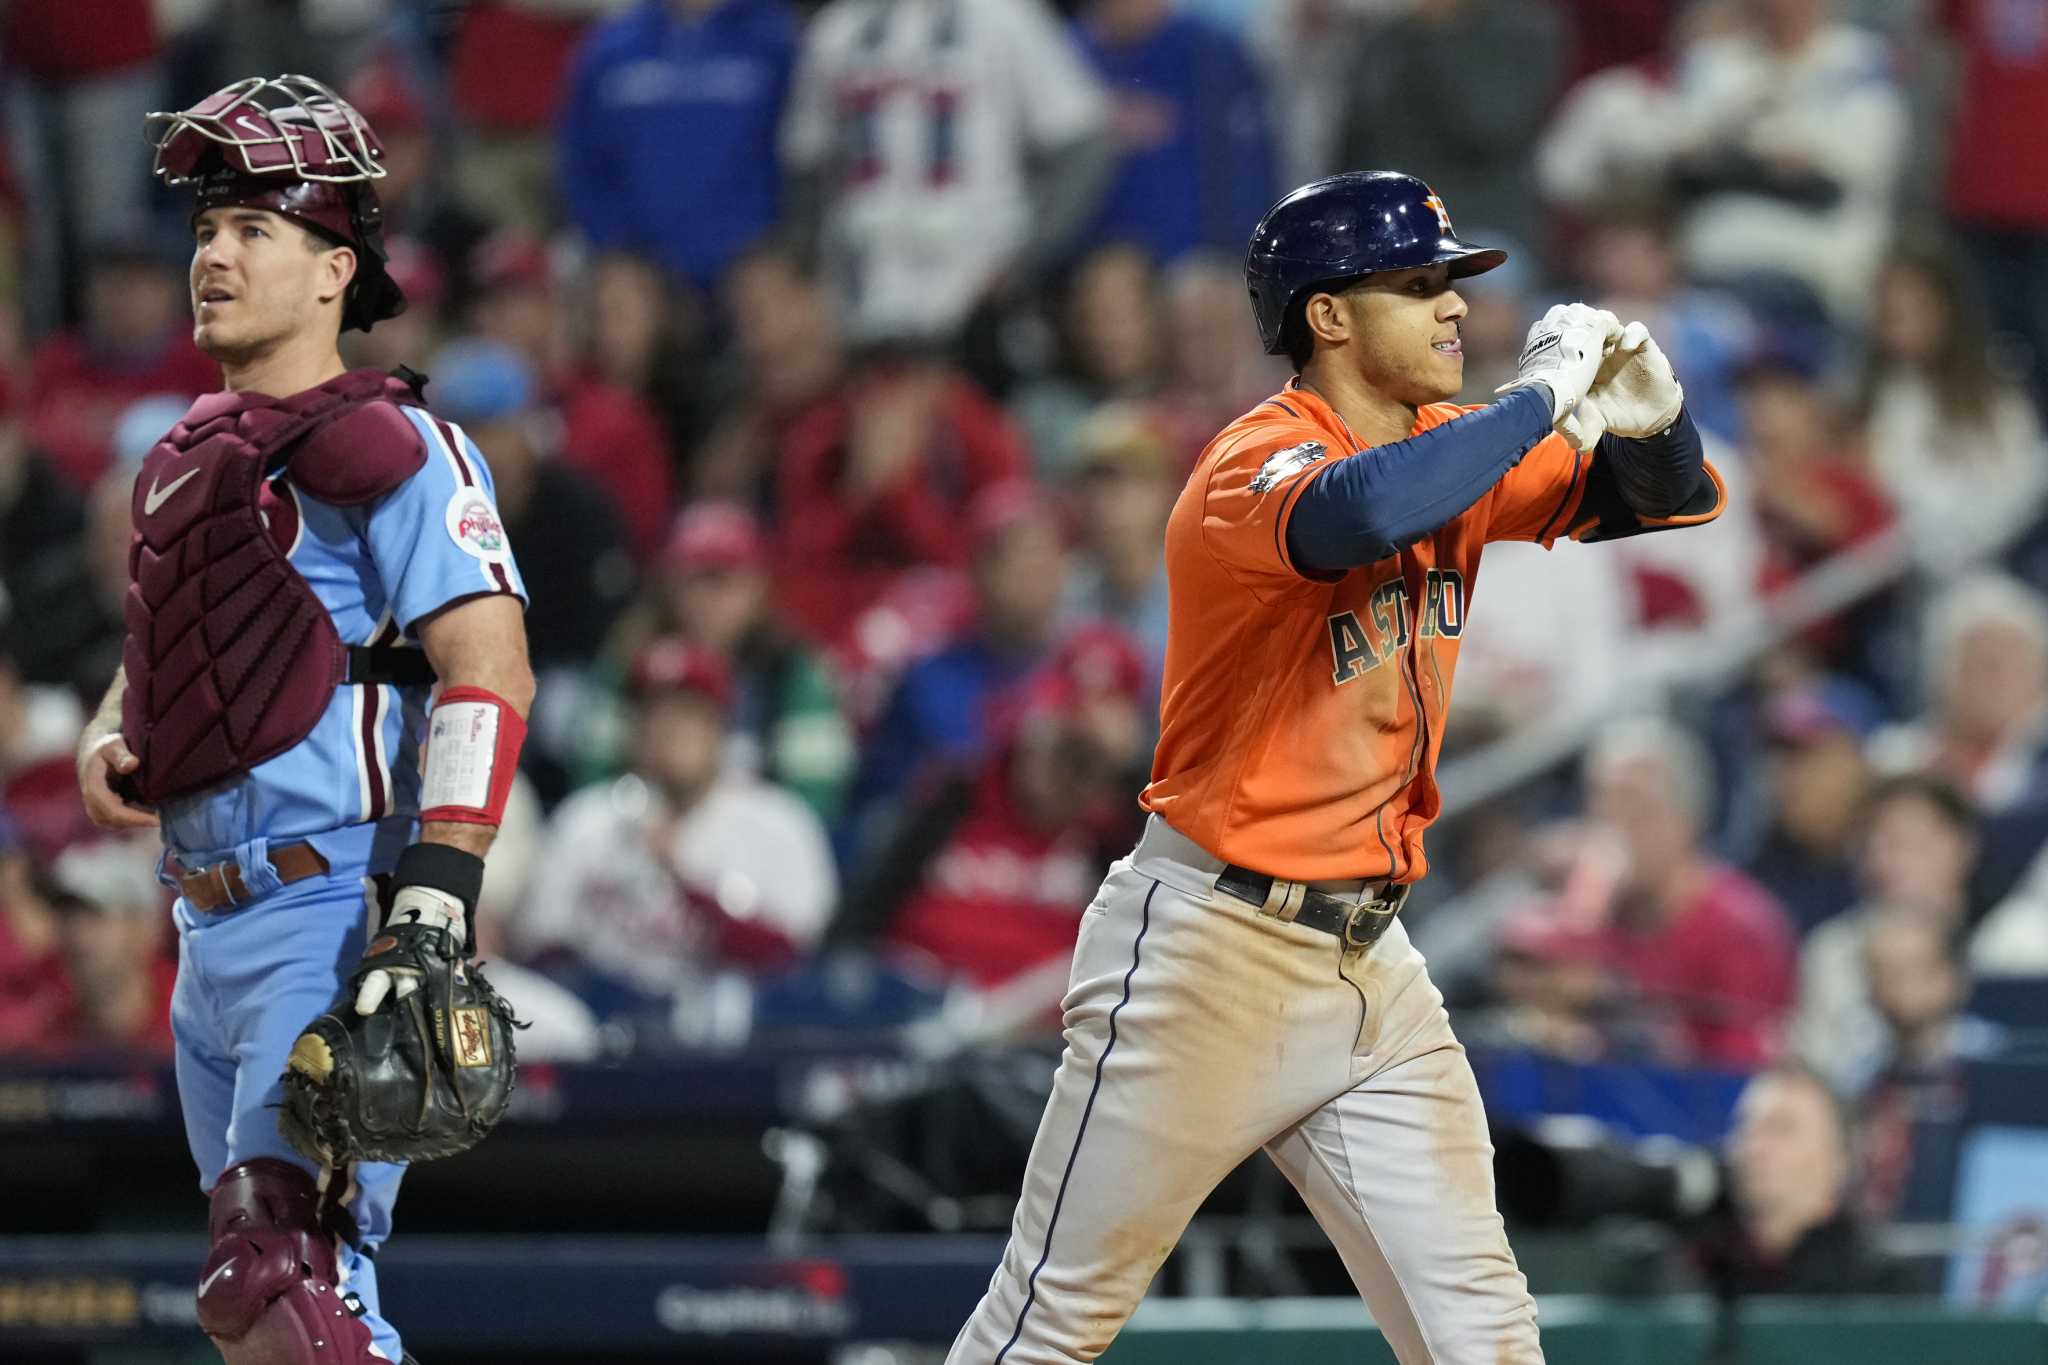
{"x":1242,"y":979}
{"x":311,"y":551}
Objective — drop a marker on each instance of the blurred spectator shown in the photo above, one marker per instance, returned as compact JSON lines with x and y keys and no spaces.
{"x":1554,"y":639}
{"x":1919,"y":844}
{"x":1813,"y":500}
{"x":1816,"y":781}
{"x":33,"y":987}
{"x":415,"y":335}
{"x":668,"y":131}
{"x":608,"y":432}
{"x":938,"y":150}
{"x":418,"y":195}
{"x":79,"y":78}
{"x":638,"y":334}
{"x":1455,"y":91}
{"x":683,"y":872}
{"x":1195,"y":164}
{"x":1630,"y":263}
{"x":787,"y":356}
{"x":112,"y":928}
{"x":1919,"y":987}
{"x":39,"y":512}
{"x":1124,"y":486}
{"x":1790,"y":138}
{"x":506,"y":73}
{"x":1997,"y":193}
{"x":1304,"y":49}
{"x":1114,"y":336}
{"x":1791,"y":1228}
{"x":559,"y":1027}
{"x":74,"y":593}
{"x":1215,"y":368}
{"x":940,"y":710}
{"x":1984,"y":668}
{"x":1704,"y":951}
{"x":712,"y":590}
{"x":1944,"y":429}
{"x":563,"y":528}
{"x":1608,"y":33}
{"x":880,"y":478}
{"x":987,"y":871}
{"x":135,"y":341}
{"x":567,"y":536}
{"x":39,"y":728}
{"x":1780,"y":138}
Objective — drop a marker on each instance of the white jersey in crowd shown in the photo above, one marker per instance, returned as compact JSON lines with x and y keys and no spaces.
{"x":929,"y":112}
{"x":602,"y":890}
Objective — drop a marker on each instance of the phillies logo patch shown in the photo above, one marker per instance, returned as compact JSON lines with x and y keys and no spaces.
{"x":473,"y":524}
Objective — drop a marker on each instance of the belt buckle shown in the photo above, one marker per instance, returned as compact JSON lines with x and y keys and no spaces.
{"x":1375,"y":914}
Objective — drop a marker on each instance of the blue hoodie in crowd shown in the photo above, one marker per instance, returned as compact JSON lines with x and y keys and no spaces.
{"x":669,"y":131}
{"x":1197,"y":152}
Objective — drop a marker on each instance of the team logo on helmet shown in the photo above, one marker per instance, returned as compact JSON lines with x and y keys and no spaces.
{"x":1443,"y":215}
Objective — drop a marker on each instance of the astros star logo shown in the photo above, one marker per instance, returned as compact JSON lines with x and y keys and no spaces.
{"x":1443,"y":217}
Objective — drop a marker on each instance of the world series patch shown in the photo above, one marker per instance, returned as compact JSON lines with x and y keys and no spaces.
{"x":1282,"y":463}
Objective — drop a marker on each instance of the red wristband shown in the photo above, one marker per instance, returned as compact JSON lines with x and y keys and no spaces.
{"x":472,"y":754}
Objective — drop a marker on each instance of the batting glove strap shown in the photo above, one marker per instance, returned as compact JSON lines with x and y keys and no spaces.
{"x":1563,"y":353}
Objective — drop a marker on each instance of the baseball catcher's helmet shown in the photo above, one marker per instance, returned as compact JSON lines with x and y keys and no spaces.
{"x":1344,"y":226}
{"x":290,"y":145}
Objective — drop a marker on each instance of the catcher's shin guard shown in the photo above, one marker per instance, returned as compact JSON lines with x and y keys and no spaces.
{"x":270,"y":1293}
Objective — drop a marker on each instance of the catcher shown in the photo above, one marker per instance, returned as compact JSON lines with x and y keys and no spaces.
{"x":321,"y":703}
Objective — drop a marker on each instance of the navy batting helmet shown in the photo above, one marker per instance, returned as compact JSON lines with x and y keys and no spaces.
{"x":1344,"y":226}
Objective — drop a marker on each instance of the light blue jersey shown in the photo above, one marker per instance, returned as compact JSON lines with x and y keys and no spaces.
{"x":379,"y":569}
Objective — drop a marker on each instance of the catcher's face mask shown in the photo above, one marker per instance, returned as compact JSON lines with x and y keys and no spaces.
{"x":290,"y":145}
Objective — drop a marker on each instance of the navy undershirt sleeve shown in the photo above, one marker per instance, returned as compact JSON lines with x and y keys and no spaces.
{"x":1364,"y":508}
{"x":1656,"y":474}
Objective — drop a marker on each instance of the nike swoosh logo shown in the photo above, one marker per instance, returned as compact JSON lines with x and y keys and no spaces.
{"x":157,"y":497}
{"x":221,"y":1270}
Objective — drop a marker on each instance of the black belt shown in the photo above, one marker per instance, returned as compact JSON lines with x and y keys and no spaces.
{"x":1358,"y":923}
{"x":370,"y":664}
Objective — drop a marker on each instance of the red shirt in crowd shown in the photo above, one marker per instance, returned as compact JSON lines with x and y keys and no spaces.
{"x":840,"y":555}
{"x":75,"y":397}
{"x":1722,"y":969}
{"x":72,"y":1030}
{"x":1997,"y":161}
{"x":495,"y":38}
{"x":1002,"y":895}
{"x":62,"y":40}
{"x":610,"y":434}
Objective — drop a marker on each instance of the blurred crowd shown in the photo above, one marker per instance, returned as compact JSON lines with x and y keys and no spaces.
{"x":838,"y":366}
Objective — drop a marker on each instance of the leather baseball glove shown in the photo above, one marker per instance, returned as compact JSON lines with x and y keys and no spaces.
{"x":414,"y":1060}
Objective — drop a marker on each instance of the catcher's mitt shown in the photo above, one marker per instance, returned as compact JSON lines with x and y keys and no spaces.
{"x":426,"y":1073}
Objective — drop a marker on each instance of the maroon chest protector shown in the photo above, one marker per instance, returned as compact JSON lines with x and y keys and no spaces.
{"x":231,"y":657}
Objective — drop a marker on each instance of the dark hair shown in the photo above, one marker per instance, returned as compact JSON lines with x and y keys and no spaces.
{"x":1950,"y":802}
{"x":1962,"y":368}
{"x":1803,"y":1073}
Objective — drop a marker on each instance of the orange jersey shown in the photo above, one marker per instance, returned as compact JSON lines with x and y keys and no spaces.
{"x":1300,"y":719}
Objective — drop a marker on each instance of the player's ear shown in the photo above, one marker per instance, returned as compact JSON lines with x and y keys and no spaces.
{"x":1328,"y":317}
{"x":338,"y":269}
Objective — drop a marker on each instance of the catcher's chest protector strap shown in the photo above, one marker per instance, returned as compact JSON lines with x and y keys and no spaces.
{"x":230,"y":657}
{"x":270,"y":1292}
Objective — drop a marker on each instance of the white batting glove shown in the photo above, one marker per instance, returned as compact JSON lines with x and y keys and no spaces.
{"x":1635,"y":387}
{"x":412,"y":905}
{"x":1563,"y":354}
{"x":1585,"y":424}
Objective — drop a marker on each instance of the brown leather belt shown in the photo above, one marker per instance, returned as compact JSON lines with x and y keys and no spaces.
{"x":221,"y":886}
